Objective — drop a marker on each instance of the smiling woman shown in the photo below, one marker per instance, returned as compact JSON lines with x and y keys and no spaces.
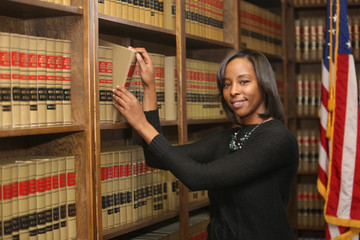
{"x":248,"y":175}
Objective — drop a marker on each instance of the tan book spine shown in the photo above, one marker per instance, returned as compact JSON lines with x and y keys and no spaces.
{"x":6,"y":201}
{"x":129,"y":199}
{"x":109,"y":187}
{"x":147,"y":12}
{"x":59,"y":61}
{"x":23,"y":184}
{"x":102,"y":84}
{"x":41,"y":81}
{"x":40,"y":199}
{"x":5,"y":81}
{"x":67,"y":82}
{"x":50,"y":82}
{"x":104,"y":191}
{"x":24,"y":82}
{"x":70,"y":194}
{"x":33,"y":82}
{"x":122,"y":185}
{"x":101,"y":6}
{"x":109,"y":84}
{"x":63,"y":198}
{"x":15,"y":79}
{"x":32,"y":201}
{"x":55,"y":198}
{"x":116,"y":188}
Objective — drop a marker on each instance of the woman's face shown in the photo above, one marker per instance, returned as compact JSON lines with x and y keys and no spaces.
{"x":241,"y":91}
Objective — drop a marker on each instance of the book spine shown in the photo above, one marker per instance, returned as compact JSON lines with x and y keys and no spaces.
{"x":33,"y":82}
{"x":62,"y":198}
{"x":15,"y":79}
{"x":55,"y":198}
{"x":23,"y":176}
{"x":59,"y":76}
{"x":40,"y":199}
{"x":70,"y":194}
{"x":5,"y":81}
{"x":50,"y":82}
{"x":32,"y":201}
{"x":41,"y":81}
{"x":67,"y":82}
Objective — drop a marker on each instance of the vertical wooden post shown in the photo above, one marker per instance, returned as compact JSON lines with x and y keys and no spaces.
{"x":182,"y":116}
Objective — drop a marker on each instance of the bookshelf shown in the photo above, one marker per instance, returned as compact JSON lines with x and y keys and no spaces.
{"x":304,"y":65}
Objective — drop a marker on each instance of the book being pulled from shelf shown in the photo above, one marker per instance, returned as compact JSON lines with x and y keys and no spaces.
{"x":130,"y":190}
{"x":38,"y":198}
{"x":202,"y":18}
{"x":35,"y":82}
{"x":308,"y":140}
{"x":260,"y":29}
{"x":309,"y":206}
{"x":62,"y":2}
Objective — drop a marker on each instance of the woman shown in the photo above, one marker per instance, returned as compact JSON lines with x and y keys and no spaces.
{"x":247,"y":170}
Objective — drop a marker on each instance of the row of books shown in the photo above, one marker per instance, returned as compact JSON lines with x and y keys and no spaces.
{"x":38,"y":198}
{"x":260,"y":29}
{"x":309,"y":37}
{"x":35,"y":81}
{"x":318,"y":2}
{"x":310,"y":206}
{"x":117,"y":66}
{"x":132,"y":191}
{"x":308,"y":94}
{"x":197,"y":230}
{"x":202,"y":18}
{"x":308,"y":140}
{"x":63,"y":2}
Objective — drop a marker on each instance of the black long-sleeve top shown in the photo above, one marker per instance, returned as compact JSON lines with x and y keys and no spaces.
{"x":248,"y":189}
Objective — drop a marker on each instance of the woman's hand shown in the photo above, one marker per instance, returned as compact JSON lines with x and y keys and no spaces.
{"x":129,"y":107}
{"x":146,"y":67}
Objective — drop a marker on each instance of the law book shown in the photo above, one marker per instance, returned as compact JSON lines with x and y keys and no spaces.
{"x":104,"y":191}
{"x":55,"y":198}
{"x":5,"y":81}
{"x":67,"y":82}
{"x":33,"y":101}
{"x":122,"y":185}
{"x":22,"y":168}
{"x":102,"y":84}
{"x":123,"y":68}
{"x":70,"y":195}
{"x":32,"y":200}
{"x":109,"y":188}
{"x":24,"y":82}
{"x":14,"y":198}
{"x":116,"y":188}
{"x":50,"y":83}
{"x":170,"y":76}
{"x":6,"y":201}
{"x":63,"y":198}
{"x":41,"y":81}
{"x":59,"y":111}
{"x":15,"y":79}
{"x":40,"y":199}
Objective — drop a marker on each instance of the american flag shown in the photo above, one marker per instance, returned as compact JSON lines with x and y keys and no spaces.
{"x":339,"y":158}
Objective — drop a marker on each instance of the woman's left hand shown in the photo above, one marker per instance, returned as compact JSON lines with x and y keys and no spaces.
{"x":129,"y":107}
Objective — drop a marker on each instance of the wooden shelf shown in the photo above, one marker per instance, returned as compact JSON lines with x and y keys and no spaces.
{"x":39,"y":130}
{"x":145,"y":222}
{"x":30,"y":9}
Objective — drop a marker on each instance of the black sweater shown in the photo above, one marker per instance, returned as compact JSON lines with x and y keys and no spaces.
{"x":248,"y":189}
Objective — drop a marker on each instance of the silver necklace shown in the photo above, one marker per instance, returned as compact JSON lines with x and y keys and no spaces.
{"x":237,"y":143}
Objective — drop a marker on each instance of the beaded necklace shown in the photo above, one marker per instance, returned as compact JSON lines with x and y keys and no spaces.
{"x":237,"y":143}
